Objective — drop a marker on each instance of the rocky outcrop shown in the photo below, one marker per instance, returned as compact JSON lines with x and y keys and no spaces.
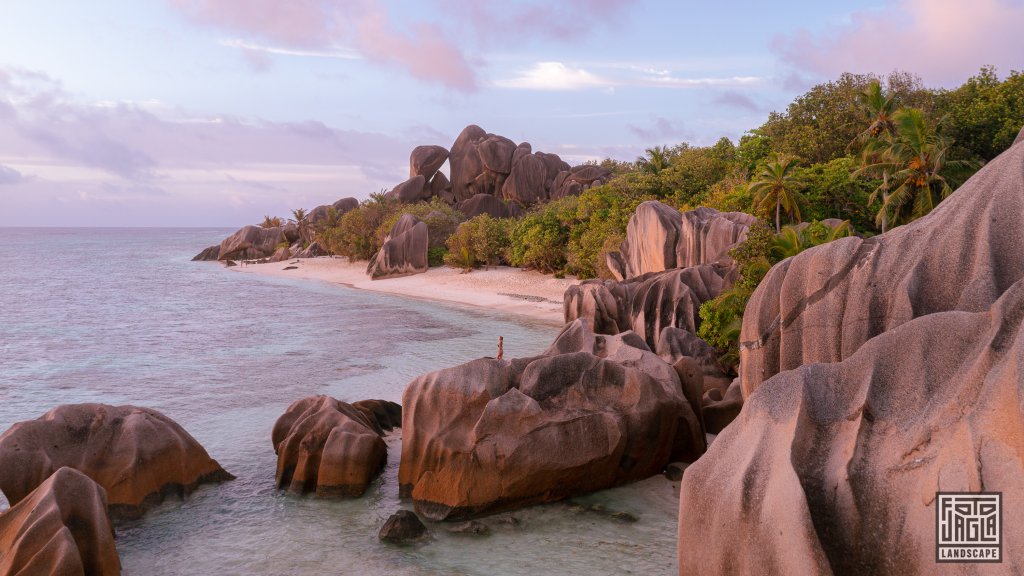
{"x":402,"y":527}
{"x":575,"y":181}
{"x":332,"y":448}
{"x":647,"y":304}
{"x":825,"y":303}
{"x":346,"y":205}
{"x":412,"y":190}
{"x":61,"y":528}
{"x":833,"y":468}
{"x":139,"y":456}
{"x":207,"y":255}
{"x":250,"y":243}
{"x":659,"y":237}
{"x":281,"y":254}
{"x":404,"y":251}
{"x":525,"y":185}
{"x":426,"y":160}
{"x":484,"y":204}
{"x":592,"y":412}
{"x":314,"y":250}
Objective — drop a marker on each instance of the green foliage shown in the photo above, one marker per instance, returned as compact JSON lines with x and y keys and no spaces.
{"x":269,"y":222}
{"x":795,"y":239}
{"x":355,"y":235}
{"x":831,"y":191}
{"x":539,"y":239}
{"x":777,"y":187}
{"x":440,"y":218}
{"x":597,"y":227}
{"x":984,"y":115}
{"x":480,"y":241}
{"x":436,"y":256}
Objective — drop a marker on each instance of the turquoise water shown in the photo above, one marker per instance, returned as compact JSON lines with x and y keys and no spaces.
{"x":122,"y":316}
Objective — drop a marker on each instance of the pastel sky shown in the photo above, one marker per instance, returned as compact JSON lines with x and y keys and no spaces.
{"x":216,"y":112}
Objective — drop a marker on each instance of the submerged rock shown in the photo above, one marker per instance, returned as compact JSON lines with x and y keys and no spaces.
{"x":138,"y":455}
{"x":330,"y":447}
{"x":593,"y":412}
{"x":402,"y":527}
{"x":61,"y":528}
{"x":404,"y":251}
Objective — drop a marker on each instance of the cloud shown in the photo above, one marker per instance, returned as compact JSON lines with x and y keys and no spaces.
{"x":553,"y":76}
{"x":9,"y":175}
{"x":338,"y":52}
{"x":944,"y":41}
{"x":365,"y":26}
{"x":660,"y":130}
{"x":736,"y":100}
{"x":500,"y":23}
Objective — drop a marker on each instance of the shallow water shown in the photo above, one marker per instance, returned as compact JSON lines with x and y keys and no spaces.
{"x":123,"y":317}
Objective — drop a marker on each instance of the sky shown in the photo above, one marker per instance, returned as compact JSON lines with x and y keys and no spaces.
{"x":218,"y":112}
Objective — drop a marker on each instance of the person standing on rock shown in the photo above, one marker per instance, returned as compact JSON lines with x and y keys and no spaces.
{"x":501,"y":350}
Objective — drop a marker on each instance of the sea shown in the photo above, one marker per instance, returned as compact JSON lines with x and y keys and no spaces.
{"x":123,"y":316}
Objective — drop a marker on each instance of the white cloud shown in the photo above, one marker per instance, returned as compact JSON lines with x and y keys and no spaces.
{"x":554,"y":76}
{"x":339,"y":52}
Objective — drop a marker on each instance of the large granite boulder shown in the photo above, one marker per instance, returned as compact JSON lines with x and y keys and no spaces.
{"x":314,"y":250}
{"x":330,"y":447}
{"x":138,"y":455}
{"x":251,"y":242}
{"x":1020,"y":137}
{"x":61,"y":528}
{"x":825,"y":303}
{"x":346,"y":205}
{"x":833,"y":468}
{"x":496,"y":153}
{"x":209,"y":254}
{"x":659,"y":237}
{"x":464,"y":160}
{"x":426,"y":160}
{"x":404,"y":251}
{"x":484,"y":204}
{"x":440,"y":187}
{"x":411,"y":191}
{"x":648,"y":304}
{"x":525,"y":185}
{"x":590,"y":413}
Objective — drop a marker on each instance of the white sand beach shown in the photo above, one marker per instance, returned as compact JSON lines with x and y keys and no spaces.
{"x":511,"y":290}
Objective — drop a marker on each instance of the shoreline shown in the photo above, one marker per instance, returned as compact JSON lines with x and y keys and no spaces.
{"x":499,"y":288}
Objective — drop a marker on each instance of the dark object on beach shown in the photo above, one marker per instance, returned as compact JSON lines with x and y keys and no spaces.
{"x":290,"y":268}
{"x":403,"y":526}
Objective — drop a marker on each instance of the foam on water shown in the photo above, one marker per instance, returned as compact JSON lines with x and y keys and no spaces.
{"x":123,"y":317}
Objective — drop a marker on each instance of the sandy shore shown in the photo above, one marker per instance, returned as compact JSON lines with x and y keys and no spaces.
{"x":501,"y":288}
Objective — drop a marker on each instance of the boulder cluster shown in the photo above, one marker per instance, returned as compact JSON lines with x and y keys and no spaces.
{"x":490,"y":174}
{"x":876,"y":372}
{"x":69,"y":472}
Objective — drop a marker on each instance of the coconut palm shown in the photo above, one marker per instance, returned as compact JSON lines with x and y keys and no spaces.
{"x":301,"y":219}
{"x":879,"y":113}
{"x":270,"y":222}
{"x":915,"y":164}
{"x":656,"y":160}
{"x":776,"y":185}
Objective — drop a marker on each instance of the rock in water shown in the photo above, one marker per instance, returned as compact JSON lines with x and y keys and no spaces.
{"x":823,"y":304}
{"x":404,"y":251}
{"x":402,"y":527}
{"x":208,"y":254}
{"x":330,"y":447}
{"x":61,"y":528}
{"x":834,"y":468}
{"x":138,"y":455}
{"x":426,"y":160}
{"x":592,"y":412}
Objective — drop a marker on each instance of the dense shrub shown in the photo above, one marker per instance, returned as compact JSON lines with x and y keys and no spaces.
{"x":539,"y":240}
{"x":480,"y":241}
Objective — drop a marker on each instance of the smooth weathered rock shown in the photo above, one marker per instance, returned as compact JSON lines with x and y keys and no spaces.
{"x":61,"y":529}
{"x":251,"y":242}
{"x":525,"y":184}
{"x":209,"y":254}
{"x":592,"y":412}
{"x":721,"y":405}
{"x":440,"y":186}
{"x":281,"y":254}
{"x":411,"y":191}
{"x":1020,"y":137}
{"x":346,"y":205}
{"x":465,"y":161}
{"x":426,"y":160}
{"x":330,"y":447}
{"x":496,"y":153}
{"x":401,"y":527}
{"x":659,"y":237}
{"x":833,"y":468}
{"x":484,"y":204}
{"x":825,"y":303}
{"x":647,"y":304}
{"x":675,"y":471}
{"x":139,"y":456}
{"x":388,"y":415}
{"x":404,"y":251}
{"x":314,"y":250}
{"x":471,"y":527}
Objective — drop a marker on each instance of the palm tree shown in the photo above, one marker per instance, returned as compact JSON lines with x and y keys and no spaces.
{"x":269,"y":222}
{"x":657,"y":159}
{"x":879,"y":113}
{"x":777,"y":185}
{"x":299,"y":217}
{"x":915,"y":163}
